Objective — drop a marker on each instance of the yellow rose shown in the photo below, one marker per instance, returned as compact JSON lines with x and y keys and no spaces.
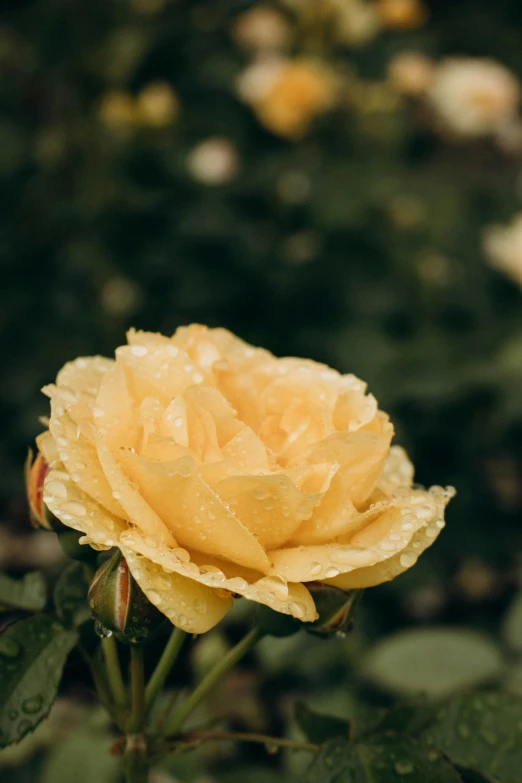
{"x":287,"y":94}
{"x":217,"y":468}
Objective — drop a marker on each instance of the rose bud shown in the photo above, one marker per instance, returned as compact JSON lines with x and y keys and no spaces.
{"x":35,"y":473}
{"x":335,"y":608}
{"x":118,"y":604}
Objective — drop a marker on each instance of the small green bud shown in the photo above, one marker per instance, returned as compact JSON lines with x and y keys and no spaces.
{"x":335,"y":608}
{"x":119,"y":605}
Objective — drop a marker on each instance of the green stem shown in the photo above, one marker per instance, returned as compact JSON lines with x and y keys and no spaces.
{"x":194,"y":739}
{"x":135,"y":762}
{"x":165,"y":664}
{"x":210,"y":681}
{"x":112,"y":665}
{"x":137,"y":715}
{"x":98,"y":677}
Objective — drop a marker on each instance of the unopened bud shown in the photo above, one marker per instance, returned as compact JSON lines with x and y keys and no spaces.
{"x":35,"y":473}
{"x":119,"y":605}
{"x":335,"y":608}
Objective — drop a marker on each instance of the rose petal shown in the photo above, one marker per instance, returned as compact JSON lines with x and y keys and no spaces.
{"x":271,"y":507}
{"x":388,"y":533}
{"x":84,"y":374}
{"x":135,"y":507}
{"x":196,"y":515}
{"x":78,"y":510}
{"x":189,"y":605}
{"x":161,"y":372}
{"x":114,"y":412}
{"x":287,"y":598}
{"x":336,"y":515}
{"x":361,"y":454}
{"x":81,"y":459}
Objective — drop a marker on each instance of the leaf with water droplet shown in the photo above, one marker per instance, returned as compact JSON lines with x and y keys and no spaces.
{"x":70,"y":596}
{"x":481,"y":732}
{"x":32,"y":655}
{"x":29,"y":593}
{"x":383,"y":758}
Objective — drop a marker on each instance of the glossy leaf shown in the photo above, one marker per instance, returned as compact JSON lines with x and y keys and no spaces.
{"x":481,"y":732}
{"x":386,"y":758}
{"x":29,"y":593}
{"x":32,"y":655}
{"x":70,"y":596}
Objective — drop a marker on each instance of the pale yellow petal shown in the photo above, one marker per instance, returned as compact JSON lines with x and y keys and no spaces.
{"x":162,"y":371}
{"x":196,"y":515}
{"x":361,"y":454}
{"x":395,"y":565}
{"x":114,"y":411}
{"x":81,"y":459}
{"x":136,"y":509}
{"x":335,"y":516}
{"x":271,"y":507}
{"x":78,"y":510}
{"x":84,"y":374}
{"x":47,"y":446}
{"x":287,"y":598}
{"x":189,"y":605}
{"x":387,"y":533}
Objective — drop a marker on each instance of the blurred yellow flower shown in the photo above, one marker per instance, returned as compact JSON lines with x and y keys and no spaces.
{"x":262,"y":28}
{"x":473,"y":96}
{"x":287,"y":94}
{"x":218,"y":469}
{"x":402,"y":14}
{"x":156,"y":105}
{"x":410,"y":73}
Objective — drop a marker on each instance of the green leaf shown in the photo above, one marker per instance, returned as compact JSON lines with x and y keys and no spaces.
{"x":512,"y":624}
{"x":409,"y":719}
{"x":70,"y":596}
{"x":386,"y":758}
{"x":84,"y":758}
{"x":317,"y":727}
{"x":481,"y":732}
{"x":435,"y":661}
{"x":29,"y":593}
{"x":32,"y":655}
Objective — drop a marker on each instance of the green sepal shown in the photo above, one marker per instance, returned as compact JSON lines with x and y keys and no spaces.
{"x":335,"y":608}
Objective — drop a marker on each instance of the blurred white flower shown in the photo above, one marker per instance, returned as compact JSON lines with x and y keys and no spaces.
{"x":354,"y":22}
{"x":213,"y":161}
{"x":503,"y":246}
{"x":262,"y":28}
{"x":473,"y":96}
{"x":410,"y":73}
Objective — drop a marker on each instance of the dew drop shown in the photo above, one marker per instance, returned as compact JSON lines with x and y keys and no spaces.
{"x":408,"y":559}
{"x":154,"y":596}
{"x":432,"y":531}
{"x":200,"y":606}
{"x":138,"y":350}
{"x":101,"y":630}
{"x":316,"y":569}
{"x":30,"y":706}
{"x":56,"y":489}
{"x":331,"y":572}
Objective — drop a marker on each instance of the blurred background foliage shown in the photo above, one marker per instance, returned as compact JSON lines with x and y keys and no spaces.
{"x":313,"y":175}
